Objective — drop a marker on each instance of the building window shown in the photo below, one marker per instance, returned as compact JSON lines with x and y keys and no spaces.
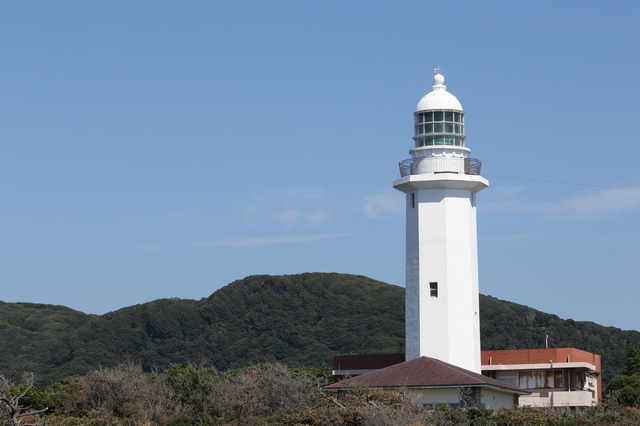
{"x":534,"y":379}
{"x":413,"y":200}
{"x":433,"y":289}
{"x":439,"y":128}
{"x":510,"y":377}
{"x":541,"y":379}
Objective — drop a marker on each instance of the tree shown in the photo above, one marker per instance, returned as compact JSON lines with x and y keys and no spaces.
{"x":11,"y":397}
{"x":632,"y":364}
{"x":195,"y":389}
{"x":624,"y":390}
{"x":123,"y":391}
{"x":251,"y":391}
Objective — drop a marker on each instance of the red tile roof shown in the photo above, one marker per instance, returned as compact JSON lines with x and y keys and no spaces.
{"x":423,"y":372}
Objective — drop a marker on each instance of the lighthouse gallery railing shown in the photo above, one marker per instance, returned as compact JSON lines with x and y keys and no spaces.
{"x":416,"y":166}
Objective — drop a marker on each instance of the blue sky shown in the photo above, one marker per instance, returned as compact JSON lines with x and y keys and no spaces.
{"x":153,"y":149}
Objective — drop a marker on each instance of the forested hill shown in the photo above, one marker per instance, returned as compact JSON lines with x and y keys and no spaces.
{"x":298,"y":320}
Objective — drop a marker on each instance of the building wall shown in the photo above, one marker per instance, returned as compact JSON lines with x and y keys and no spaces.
{"x":442,"y":249}
{"x":558,"y":399}
{"x":490,"y":398}
{"x":496,"y":400}
{"x":442,"y":396}
{"x":539,"y":356}
{"x":368,"y":362}
{"x":546,"y":356}
{"x":345,"y":366}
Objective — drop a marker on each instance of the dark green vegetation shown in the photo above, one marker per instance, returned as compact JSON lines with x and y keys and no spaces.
{"x":260,"y":395}
{"x":298,"y":320}
{"x":625,"y":390}
{"x":632,"y":364}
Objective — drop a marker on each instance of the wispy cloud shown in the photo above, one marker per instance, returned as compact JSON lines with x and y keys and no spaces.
{"x":265,"y":241}
{"x":300,"y":206}
{"x":311,"y":193}
{"x":377,"y":205}
{"x":513,"y":190}
{"x":293,"y":217}
{"x":289,"y":217}
{"x":589,"y":206}
{"x":318,"y":217}
{"x":516,"y":236}
{"x":520,"y":236}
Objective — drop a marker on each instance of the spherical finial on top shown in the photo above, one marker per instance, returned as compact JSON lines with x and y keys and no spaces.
{"x":438,"y":79}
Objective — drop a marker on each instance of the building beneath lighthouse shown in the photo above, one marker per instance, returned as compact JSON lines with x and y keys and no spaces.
{"x":440,"y":181}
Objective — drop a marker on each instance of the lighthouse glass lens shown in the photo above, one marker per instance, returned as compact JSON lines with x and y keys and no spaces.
{"x":439,"y":128}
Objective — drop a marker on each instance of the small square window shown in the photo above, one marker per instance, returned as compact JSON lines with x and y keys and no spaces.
{"x":433,"y":289}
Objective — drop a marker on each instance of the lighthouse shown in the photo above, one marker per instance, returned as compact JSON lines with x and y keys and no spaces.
{"x":440,"y":181}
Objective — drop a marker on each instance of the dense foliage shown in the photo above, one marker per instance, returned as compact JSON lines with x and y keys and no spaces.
{"x":298,"y":320}
{"x":632,"y":364}
{"x":261,"y":395}
{"x":624,"y":390}
{"x":126,"y":395}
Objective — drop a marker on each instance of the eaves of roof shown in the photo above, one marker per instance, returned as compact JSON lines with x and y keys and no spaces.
{"x":424,"y":372}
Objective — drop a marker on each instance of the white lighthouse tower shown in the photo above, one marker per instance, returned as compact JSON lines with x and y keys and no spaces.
{"x":440,"y":182}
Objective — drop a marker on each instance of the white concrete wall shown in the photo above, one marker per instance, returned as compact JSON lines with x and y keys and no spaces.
{"x":413,"y":288}
{"x":491,"y":398}
{"x":442,"y":248}
{"x":496,"y":400}
{"x":442,"y":396}
{"x":559,"y":399}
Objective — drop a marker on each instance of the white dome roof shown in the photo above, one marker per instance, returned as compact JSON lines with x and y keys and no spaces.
{"x":439,"y":98}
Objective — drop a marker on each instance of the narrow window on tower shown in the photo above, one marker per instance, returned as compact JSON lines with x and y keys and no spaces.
{"x":413,"y":200}
{"x":433,"y":289}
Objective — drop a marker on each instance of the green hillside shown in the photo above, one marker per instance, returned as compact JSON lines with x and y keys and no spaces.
{"x":34,"y":337}
{"x":298,"y":320}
